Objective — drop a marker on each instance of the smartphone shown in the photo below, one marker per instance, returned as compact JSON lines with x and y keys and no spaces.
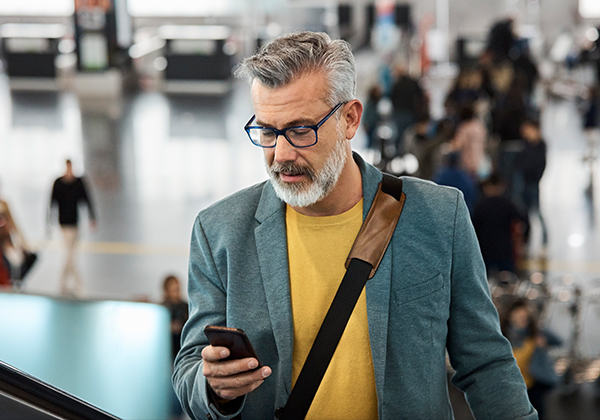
{"x":235,"y":339}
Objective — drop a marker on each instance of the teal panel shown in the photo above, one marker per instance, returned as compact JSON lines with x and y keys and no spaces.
{"x":115,"y":355}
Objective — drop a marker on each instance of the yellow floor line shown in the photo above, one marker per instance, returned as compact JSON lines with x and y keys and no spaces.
{"x":125,"y":248}
{"x":560,"y":265}
{"x":119,"y":248}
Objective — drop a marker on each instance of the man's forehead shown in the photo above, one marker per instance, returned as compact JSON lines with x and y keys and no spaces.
{"x":287,"y":105}
{"x":312,"y":84}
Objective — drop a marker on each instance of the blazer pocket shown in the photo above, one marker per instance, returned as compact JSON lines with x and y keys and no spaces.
{"x":419,"y":291}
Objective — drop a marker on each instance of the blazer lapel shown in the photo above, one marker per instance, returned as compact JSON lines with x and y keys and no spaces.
{"x":271,"y":245}
{"x":378,"y":306}
{"x":378,"y":288}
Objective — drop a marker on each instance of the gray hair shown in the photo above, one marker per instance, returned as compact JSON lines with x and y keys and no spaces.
{"x":291,"y":56}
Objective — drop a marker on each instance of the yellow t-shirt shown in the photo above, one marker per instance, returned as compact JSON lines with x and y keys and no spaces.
{"x":317,"y":251}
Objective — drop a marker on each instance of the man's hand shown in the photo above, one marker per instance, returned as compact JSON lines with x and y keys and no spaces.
{"x":232,"y":378}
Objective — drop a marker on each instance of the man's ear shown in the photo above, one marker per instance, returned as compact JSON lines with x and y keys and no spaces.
{"x":352,"y":114}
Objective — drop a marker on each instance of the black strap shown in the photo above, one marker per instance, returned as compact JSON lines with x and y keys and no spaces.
{"x":392,"y":185}
{"x":333,"y":327}
{"x":327,"y":340}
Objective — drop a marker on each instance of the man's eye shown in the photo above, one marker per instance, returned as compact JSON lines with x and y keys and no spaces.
{"x":267,"y":133}
{"x":299,"y":132}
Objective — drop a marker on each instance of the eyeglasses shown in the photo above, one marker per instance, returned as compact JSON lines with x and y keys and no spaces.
{"x":300,"y":136}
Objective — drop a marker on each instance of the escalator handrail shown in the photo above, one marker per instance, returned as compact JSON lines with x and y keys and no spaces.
{"x":40,"y":394}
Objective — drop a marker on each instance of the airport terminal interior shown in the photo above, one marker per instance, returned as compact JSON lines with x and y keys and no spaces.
{"x":140,"y":96}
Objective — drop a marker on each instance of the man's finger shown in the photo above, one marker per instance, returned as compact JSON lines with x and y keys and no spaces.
{"x":229,"y":368}
{"x":214,"y":353}
{"x":233,"y":386}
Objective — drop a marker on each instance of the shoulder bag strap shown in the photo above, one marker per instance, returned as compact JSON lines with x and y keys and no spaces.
{"x":363,"y":260}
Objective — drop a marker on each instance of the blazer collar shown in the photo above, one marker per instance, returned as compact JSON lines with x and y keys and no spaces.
{"x":371,"y":177}
{"x":271,"y":247}
{"x":378,"y":288}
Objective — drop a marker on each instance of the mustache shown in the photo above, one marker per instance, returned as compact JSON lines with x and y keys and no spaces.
{"x":292,"y":169}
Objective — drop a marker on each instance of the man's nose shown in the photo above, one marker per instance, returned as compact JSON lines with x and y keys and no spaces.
{"x":284,"y":151}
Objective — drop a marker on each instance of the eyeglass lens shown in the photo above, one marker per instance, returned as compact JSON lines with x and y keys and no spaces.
{"x":267,"y":137}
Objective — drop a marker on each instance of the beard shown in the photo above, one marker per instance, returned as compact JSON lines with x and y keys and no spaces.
{"x":318,"y":183}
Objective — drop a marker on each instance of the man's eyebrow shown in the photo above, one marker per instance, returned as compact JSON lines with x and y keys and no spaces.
{"x":293,"y":123}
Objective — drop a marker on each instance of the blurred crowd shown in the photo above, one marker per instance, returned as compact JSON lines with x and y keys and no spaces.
{"x":488,"y":143}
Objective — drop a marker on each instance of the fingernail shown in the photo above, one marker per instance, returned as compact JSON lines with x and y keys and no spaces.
{"x":266,"y":372}
{"x":224,"y":353}
{"x":252,"y":364}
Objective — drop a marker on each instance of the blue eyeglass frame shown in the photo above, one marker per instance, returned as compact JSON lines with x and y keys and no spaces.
{"x":282,"y":132}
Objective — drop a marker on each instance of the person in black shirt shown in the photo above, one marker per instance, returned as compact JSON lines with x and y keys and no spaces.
{"x":68,"y":192}
{"x":409,"y":102}
{"x":530,"y":164}
{"x":495,"y":218}
{"x":501,"y":39}
{"x":177,"y":307}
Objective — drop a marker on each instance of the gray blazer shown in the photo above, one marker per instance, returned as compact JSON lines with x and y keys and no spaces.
{"x":429,"y":294}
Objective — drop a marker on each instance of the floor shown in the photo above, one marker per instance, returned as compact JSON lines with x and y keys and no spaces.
{"x":154,"y":160}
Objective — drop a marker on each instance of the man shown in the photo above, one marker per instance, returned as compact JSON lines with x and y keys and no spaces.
{"x":178,"y":308}
{"x":409,"y":103}
{"x":452,"y":174}
{"x":68,"y":191}
{"x":495,"y":219}
{"x":270,"y":258}
{"x":530,"y":164}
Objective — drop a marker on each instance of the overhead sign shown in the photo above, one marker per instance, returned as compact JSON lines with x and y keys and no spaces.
{"x":104,"y":5}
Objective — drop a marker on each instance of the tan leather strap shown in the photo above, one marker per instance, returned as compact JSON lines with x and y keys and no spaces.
{"x":377,"y":229}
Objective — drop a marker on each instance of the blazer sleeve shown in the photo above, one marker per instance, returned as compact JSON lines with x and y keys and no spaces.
{"x":486,"y":370}
{"x":207,"y":299}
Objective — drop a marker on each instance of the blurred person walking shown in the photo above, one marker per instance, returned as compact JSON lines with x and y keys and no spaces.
{"x":4,"y":265}
{"x":178,"y":308}
{"x":468,"y":90}
{"x":18,"y":259}
{"x":501,"y":38}
{"x":371,"y":117}
{"x":419,"y":142}
{"x":530,"y":164}
{"x":529,"y":344}
{"x":68,"y":191}
{"x":470,"y":139}
{"x":453,"y":175}
{"x":409,"y":102}
{"x":495,"y":219}
{"x":525,"y":66}
{"x":509,"y":113}
{"x":434,"y":156}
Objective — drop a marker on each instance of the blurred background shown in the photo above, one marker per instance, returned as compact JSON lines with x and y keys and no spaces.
{"x":497,"y":98}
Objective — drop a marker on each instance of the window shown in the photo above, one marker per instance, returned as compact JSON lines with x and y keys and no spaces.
{"x":185,"y":7}
{"x":589,"y":8}
{"x":37,"y":8}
